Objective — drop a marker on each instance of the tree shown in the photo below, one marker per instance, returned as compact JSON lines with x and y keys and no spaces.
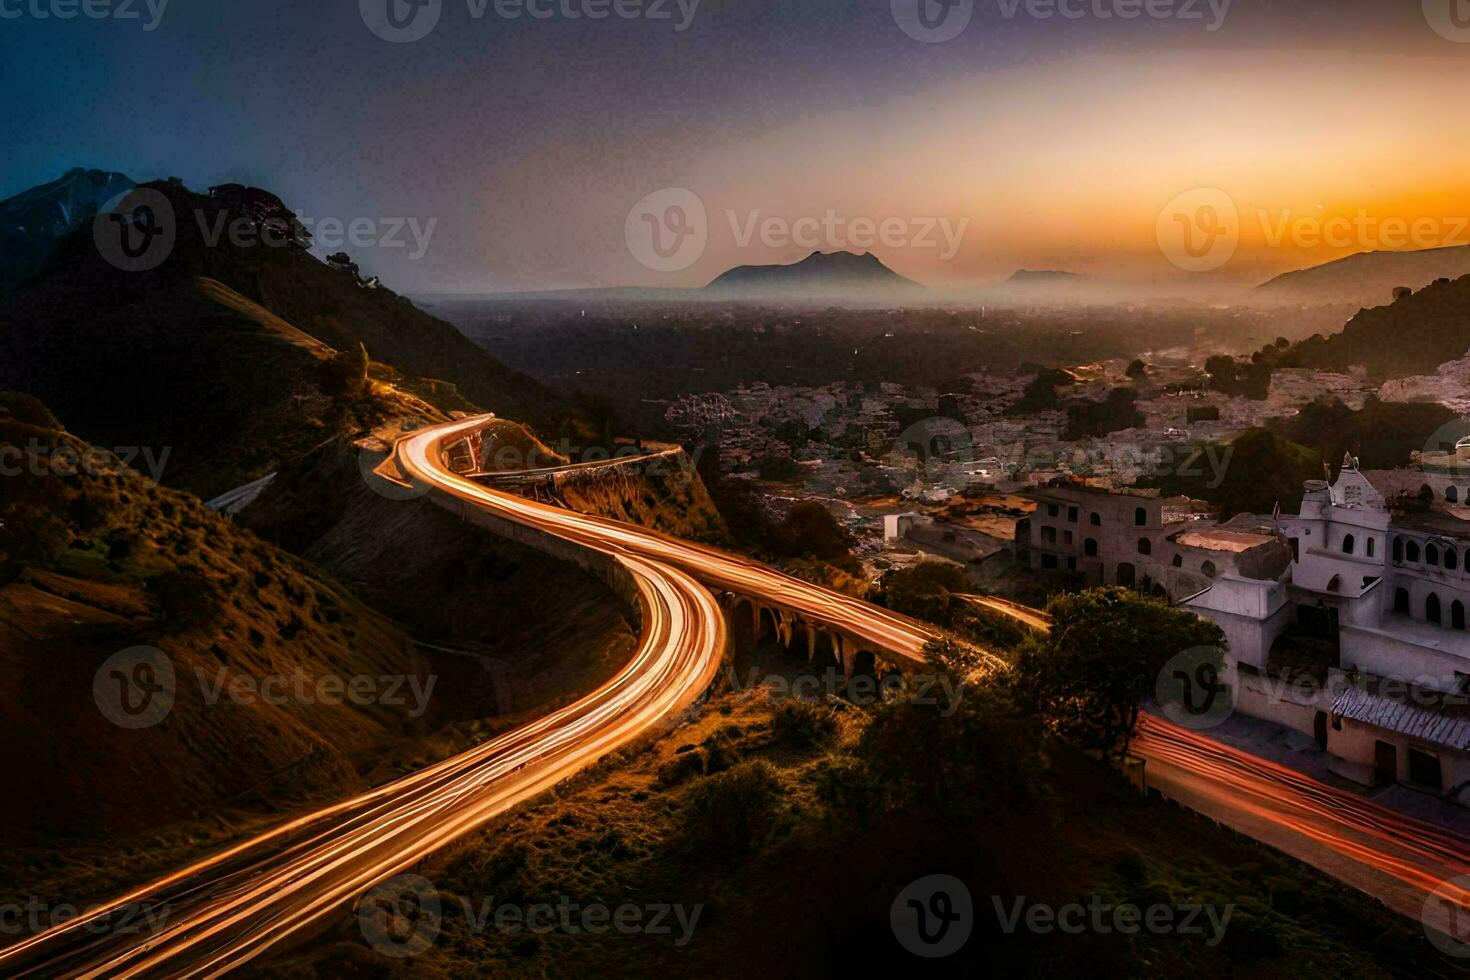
{"x":925,"y":591}
{"x":342,"y":262}
{"x":1088,"y":678}
{"x":1137,"y":370}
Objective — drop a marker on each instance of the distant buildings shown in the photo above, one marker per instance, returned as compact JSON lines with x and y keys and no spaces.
{"x":1347,"y":621}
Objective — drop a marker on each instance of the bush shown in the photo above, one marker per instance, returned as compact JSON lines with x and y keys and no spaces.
{"x":803,"y":725}
{"x":733,"y":812}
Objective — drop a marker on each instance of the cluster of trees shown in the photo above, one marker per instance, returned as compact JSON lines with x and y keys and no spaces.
{"x":1094,"y":419}
{"x":1381,"y":434}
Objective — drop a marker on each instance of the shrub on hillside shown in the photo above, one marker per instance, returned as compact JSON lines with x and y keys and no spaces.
{"x":733,"y":812}
{"x":803,"y":725}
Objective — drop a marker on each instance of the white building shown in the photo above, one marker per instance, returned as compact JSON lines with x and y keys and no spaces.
{"x":1375,"y":568}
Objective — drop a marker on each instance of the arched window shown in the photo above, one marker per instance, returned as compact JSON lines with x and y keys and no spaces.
{"x":1398,"y":549}
{"x":1401,"y":601}
{"x":1348,"y":544}
{"x":1140,"y":517}
{"x":1178,"y":561}
{"x":1095,"y":519}
{"x":1145,"y":546}
{"x":1089,"y":547}
{"x":1208,"y":568}
{"x":1457,"y":614}
{"x":1450,"y":559}
{"x":1431,"y":554}
{"x":1369,"y":545}
{"x":1335,"y":585}
{"x":1452,"y":494}
{"x":1431,"y":608}
{"x":1411,"y":551}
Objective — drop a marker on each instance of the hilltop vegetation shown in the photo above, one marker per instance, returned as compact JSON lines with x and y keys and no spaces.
{"x":231,"y":353}
{"x":1414,"y":334}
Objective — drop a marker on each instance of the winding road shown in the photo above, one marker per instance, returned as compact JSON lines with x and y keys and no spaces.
{"x":223,"y":911}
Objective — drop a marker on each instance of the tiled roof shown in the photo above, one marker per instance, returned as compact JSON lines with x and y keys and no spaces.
{"x":1423,"y":723}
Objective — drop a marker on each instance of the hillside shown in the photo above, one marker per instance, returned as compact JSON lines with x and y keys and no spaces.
{"x":1367,"y":279}
{"x":1412,"y":335}
{"x":96,"y":559}
{"x":218,"y":353}
{"x":450,"y":584}
{"x":829,"y":275}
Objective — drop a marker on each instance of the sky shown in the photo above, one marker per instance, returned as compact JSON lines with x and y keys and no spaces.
{"x":1197,"y":138}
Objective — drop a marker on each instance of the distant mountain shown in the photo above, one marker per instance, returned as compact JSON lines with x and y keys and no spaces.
{"x":821,"y":275}
{"x":1368,"y":279}
{"x":34,"y":222}
{"x":1413,"y":335}
{"x":1043,"y":275}
{"x":233,"y":353}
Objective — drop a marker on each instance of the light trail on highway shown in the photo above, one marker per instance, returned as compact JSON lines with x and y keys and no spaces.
{"x":234,"y":906}
{"x":227,"y":909}
{"x":230,"y":908}
{"x":1401,"y":861}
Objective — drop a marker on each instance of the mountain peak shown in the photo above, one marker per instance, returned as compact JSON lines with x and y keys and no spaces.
{"x":826,"y":275}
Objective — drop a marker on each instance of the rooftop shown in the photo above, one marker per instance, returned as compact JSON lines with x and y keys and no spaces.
{"x":1424,"y":720}
{"x":1218,"y":539}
